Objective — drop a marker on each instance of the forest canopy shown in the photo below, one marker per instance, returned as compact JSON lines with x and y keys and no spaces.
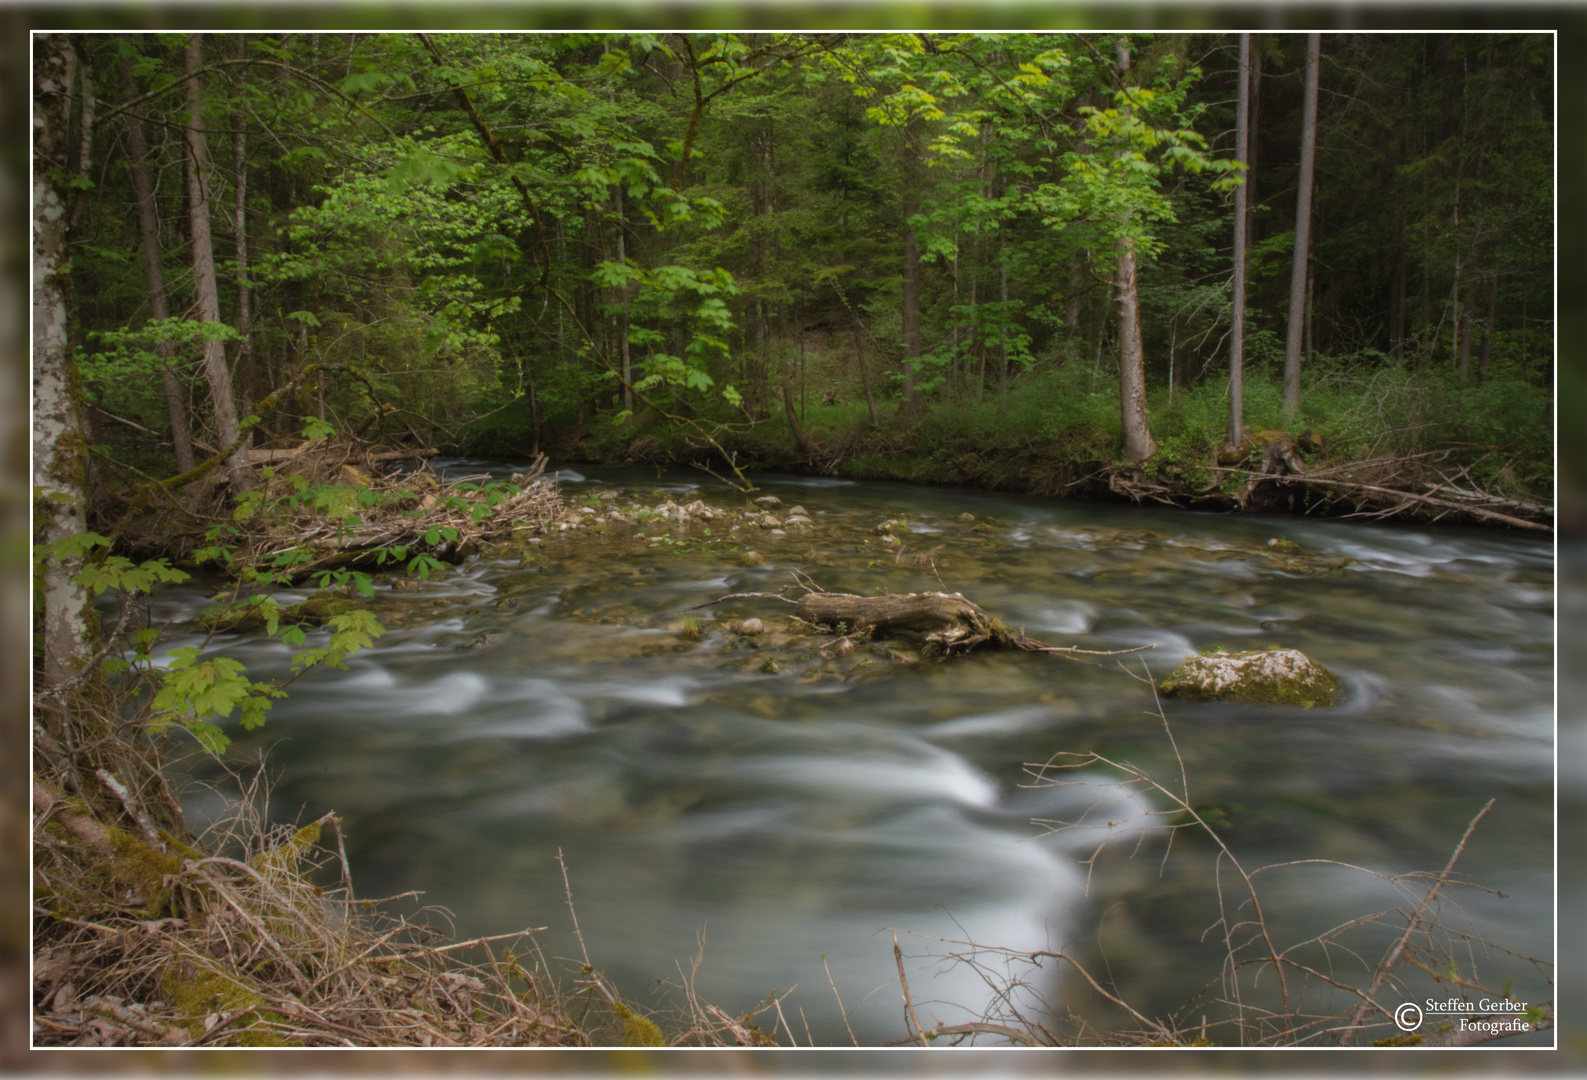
{"x":784,"y":244}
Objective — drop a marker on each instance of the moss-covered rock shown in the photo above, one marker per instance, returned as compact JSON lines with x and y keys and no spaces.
{"x":1268,"y":677}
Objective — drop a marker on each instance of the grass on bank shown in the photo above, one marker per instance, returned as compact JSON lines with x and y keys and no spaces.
{"x":1499,"y":427}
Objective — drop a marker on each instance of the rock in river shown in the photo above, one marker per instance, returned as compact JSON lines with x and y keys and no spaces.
{"x":1266,"y":676}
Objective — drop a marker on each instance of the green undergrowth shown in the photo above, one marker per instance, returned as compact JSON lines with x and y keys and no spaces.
{"x":1054,"y":429}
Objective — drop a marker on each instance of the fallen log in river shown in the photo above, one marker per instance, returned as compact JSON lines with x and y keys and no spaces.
{"x":947,"y":621}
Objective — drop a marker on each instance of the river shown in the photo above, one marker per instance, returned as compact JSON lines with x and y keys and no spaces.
{"x":791,"y":821}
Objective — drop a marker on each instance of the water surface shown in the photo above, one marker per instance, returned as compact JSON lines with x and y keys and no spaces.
{"x":790,"y":820}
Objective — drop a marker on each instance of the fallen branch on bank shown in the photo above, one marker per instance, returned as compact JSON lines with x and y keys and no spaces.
{"x":1383,"y":487}
{"x":1399,"y":499}
{"x":327,"y":506}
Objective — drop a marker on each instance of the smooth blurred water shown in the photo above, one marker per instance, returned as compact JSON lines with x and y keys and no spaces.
{"x":792,"y":819}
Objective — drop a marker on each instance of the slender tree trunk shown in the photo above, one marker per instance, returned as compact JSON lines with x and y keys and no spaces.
{"x":206,"y":289}
{"x":1252,"y":143}
{"x":1298,"y":271}
{"x":154,"y":273}
{"x":911,"y":402}
{"x":622,"y":257}
{"x":1469,"y":329}
{"x":1397,"y":289}
{"x":239,"y":146}
{"x":1002,"y":295}
{"x":1073,"y":312}
{"x":1138,"y":442}
{"x":865,"y":378}
{"x":791,"y":412}
{"x":59,"y":452}
{"x":799,"y":329}
{"x":622,"y":328}
{"x":1489,"y":326}
{"x":1237,"y":300}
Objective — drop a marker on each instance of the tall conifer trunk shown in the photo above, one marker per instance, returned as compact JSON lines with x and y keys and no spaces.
{"x":154,"y":273}
{"x":1138,"y":442}
{"x":205,"y":288}
{"x":245,"y":360}
{"x":1237,"y":300}
{"x":1298,"y":270}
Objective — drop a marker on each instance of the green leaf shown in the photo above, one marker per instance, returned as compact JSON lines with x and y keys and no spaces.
{"x":210,"y":737}
{"x":315,"y":429}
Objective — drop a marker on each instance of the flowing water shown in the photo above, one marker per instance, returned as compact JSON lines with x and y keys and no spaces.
{"x":791,"y":820}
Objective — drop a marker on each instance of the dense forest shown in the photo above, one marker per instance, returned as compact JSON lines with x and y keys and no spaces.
{"x":983,"y":258}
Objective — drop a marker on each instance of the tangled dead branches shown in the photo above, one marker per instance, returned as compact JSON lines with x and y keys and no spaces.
{"x":334,"y":511}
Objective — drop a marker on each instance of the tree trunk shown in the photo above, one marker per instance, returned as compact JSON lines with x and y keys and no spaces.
{"x":1138,"y":442}
{"x":622,"y":257}
{"x":1489,"y":326}
{"x":622,"y":328}
{"x":245,"y":361}
{"x":793,"y":417}
{"x":59,"y":451}
{"x":911,"y":402}
{"x":206,"y":289}
{"x":865,"y":377}
{"x":1002,"y":295}
{"x":1298,"y":268}
{"x":154,"y":273}
{"x":1311,"y":319}
{"x":1237,"y":301}
{"x":1252,"y":143}
{"x":1468,"y":329}
{"x":1072,"y":311}
{"x":1397,"y":289}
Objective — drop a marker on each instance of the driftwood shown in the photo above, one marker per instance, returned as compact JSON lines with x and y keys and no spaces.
{"x":947,"y":621}
{"x":945,"y":616}
{"x":1388,"y":487}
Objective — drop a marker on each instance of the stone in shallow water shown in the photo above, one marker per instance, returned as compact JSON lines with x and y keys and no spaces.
{"x":1266,"y":676}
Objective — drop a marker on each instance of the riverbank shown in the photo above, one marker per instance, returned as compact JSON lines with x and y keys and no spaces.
{"x":1274,"y":471}
{"x":1417,"y":445}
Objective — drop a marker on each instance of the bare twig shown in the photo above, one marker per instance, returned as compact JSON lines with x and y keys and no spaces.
{"x":903,"y":982}
{"x":841,"y":1010}
{"x":1412,"y":925}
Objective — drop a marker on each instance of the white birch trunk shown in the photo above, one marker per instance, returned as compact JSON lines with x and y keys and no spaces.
{"x":60,"y":478}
